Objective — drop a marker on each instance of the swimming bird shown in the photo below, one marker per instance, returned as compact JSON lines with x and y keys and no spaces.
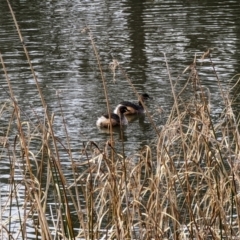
{"x":133,"y":108}
{"x":116,"y":119}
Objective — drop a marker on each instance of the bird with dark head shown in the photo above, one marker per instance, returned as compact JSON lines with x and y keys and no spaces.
{"x":133,"y":108}
{"x":117,"y":119}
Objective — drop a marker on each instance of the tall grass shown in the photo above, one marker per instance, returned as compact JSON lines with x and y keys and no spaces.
{"x":184,"y":187}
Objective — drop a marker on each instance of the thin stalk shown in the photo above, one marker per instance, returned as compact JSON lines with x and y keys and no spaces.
{"x":183,"y":147}
{"x":77,"y":207}
{"x":137,"y":95}
{"x":103,"y":79}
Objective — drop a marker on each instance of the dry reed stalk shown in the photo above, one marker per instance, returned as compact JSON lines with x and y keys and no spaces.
{"x":187,"y":189}
{"x":54,"y":166}
{"x":198,"y":140}
{"x":87,"y":29}
{"x":113,"y":66}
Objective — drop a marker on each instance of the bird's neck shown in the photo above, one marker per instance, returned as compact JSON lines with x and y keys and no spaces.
{"x":140,"y":103}
{"x":123,"y":119}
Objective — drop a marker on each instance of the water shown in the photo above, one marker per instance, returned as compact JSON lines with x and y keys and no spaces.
{"x":136,"y":34}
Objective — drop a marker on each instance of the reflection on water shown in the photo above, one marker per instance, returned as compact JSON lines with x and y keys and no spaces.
{"x":136,"y":33}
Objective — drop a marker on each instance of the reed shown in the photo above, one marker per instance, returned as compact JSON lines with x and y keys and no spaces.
{"x":184,"y":186}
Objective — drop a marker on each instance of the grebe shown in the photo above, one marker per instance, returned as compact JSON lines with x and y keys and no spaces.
{"x":133,"y":108}
{"x":116,"y":119}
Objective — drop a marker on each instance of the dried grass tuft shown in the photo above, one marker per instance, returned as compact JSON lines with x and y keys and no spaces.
{"x":184,"y":187}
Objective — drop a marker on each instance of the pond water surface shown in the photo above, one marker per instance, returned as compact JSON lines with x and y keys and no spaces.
{"x":135,"y":33}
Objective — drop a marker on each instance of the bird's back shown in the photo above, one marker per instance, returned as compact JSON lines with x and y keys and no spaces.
{"x":105,"y":120}
{"x":132,"y":108}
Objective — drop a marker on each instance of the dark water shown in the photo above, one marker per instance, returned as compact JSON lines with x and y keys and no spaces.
{"x":136,"y":34}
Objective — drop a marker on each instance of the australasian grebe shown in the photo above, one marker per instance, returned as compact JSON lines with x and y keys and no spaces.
{"x":116,"y":119}
{"x":133,"y":108}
